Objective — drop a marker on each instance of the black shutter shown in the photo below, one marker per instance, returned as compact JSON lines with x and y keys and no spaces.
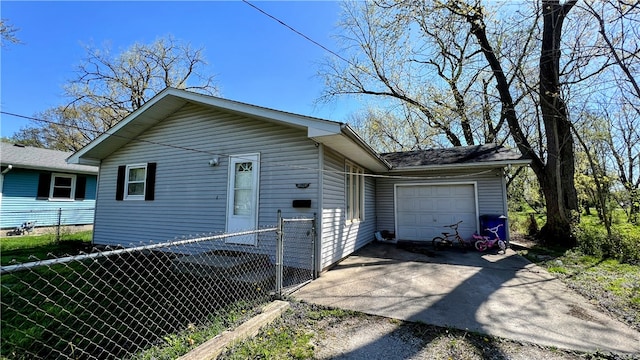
{"x":44,"y":185}
{"x":120,"y":183}
{"x":150,"y":187}
{"x":81,"y":186}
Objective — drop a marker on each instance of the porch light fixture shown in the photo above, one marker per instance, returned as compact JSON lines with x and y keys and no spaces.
{"x":215,"y":161}
{"x":302,"y":185}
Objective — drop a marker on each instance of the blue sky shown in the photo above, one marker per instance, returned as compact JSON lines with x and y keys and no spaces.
{"x":255,"y":59}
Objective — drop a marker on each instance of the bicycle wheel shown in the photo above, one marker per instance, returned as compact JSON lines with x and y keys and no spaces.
{"x":481,"y":245}
{"x":438,"y":242}
{"x":503,"y":246}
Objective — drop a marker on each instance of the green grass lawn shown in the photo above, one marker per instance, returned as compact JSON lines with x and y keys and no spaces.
{"x":612,"y":285}
{"x":27,"y":248}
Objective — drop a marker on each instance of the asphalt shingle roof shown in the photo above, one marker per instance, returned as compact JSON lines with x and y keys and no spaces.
{"x":460,"y":155}
{"x":28,"y":157}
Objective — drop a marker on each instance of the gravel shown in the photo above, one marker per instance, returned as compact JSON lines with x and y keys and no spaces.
{"x":353,"y":336}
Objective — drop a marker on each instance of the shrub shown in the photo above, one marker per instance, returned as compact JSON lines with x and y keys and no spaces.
{"x":623,"y":244}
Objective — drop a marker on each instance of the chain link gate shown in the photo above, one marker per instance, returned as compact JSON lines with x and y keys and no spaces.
{"x":295,"y":253}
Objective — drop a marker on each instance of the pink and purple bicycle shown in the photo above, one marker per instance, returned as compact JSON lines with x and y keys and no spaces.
{"x":482,"y":243}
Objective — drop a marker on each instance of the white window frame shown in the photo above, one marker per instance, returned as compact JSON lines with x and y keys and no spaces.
{"x":143,"y":181}
{"x":354,"y":192}
{"x":72,"y":195}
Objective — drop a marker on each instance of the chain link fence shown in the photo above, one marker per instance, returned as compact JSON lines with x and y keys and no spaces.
{"x":50,"y":221}
{"x":116,"y":303}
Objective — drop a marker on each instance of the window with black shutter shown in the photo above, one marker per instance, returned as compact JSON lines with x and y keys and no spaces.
{"x":58,"y":186}
{"x":136,"y":182}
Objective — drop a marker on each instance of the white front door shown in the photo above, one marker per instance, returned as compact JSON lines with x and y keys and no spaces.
{"x":242,"y":206}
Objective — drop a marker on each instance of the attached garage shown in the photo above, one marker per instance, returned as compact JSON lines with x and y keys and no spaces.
{"x":426,"y":190}
{"x":423,"y":210}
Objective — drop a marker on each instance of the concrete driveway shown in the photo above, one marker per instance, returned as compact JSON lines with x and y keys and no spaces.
{"x":498,"y":294}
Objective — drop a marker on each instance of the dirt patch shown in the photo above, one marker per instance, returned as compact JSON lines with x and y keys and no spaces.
{"x":341,"y":334}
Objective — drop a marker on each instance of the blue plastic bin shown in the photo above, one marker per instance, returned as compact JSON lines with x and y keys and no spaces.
{"x":491,"y":221}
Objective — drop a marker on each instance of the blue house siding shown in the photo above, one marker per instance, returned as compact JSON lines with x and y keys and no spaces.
{"x":20,"y":202}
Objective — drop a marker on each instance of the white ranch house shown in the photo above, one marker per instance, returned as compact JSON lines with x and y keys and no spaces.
{"x":188,"y":163}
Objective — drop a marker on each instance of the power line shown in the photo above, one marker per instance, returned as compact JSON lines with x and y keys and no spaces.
{"x":184,"y":148}
{"x":298,"y":32}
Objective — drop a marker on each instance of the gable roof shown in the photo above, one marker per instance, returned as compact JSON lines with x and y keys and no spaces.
{"x":455,"y":157}
{"x":338,"y":136}
{"x":28,"y":157}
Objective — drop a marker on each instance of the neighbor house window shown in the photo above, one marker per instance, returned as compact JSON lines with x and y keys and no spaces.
{"x":136,"y":182}
{"x":354,"y":193}
{"x":63,"y":187}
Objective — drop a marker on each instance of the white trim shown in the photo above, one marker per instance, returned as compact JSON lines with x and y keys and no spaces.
{"x":448,"y":183}
{"x":255,"y":159}
{"x":72,"y":194}
{"x":505,"y":207}
{"x":320,"y":212}
{"x":126,"y":182}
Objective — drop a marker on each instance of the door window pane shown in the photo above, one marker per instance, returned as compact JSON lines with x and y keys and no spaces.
{"x":243,"y":189}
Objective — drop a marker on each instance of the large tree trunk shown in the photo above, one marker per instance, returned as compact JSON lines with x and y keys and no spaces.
{"x":558,"y":176}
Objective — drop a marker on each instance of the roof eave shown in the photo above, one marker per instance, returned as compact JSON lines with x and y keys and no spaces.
{"x":487,"y":164}
{"x":170,"y":100}
{"x":54,"y":169}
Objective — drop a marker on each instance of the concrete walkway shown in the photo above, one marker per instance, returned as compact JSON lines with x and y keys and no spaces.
{"x":498,"y":294}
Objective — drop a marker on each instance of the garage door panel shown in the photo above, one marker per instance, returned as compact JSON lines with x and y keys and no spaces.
{"x":408,"y":220}
{"x":424,"y":210}
{"x":427,"y":205}
{"x":464,"y":204}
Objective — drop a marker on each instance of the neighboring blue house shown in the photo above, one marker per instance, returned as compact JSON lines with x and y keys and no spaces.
{"x":38,"y":185}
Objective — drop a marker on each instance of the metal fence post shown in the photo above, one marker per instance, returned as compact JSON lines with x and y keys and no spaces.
{"x":279,"y":255}
{"x":314,"y":267}
{"x":59,"y":224}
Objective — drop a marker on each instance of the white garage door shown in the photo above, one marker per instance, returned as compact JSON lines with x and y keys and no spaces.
{"x":422,"y":211}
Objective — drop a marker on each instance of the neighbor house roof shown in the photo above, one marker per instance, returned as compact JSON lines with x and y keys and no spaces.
{"x":336,"y":135}
{"x":459,"y":156}
{"x":28,"y":157}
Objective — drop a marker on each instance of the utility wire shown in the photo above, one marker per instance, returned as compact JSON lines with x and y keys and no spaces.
{"x":262,"y":161}
{"x":298,"y":32}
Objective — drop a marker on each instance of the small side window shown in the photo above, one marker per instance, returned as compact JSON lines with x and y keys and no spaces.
{"x":135,"y":182}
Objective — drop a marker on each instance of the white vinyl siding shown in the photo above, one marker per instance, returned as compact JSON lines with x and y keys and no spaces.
{"x":190,"y":195}
{"x":341,"y":237}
